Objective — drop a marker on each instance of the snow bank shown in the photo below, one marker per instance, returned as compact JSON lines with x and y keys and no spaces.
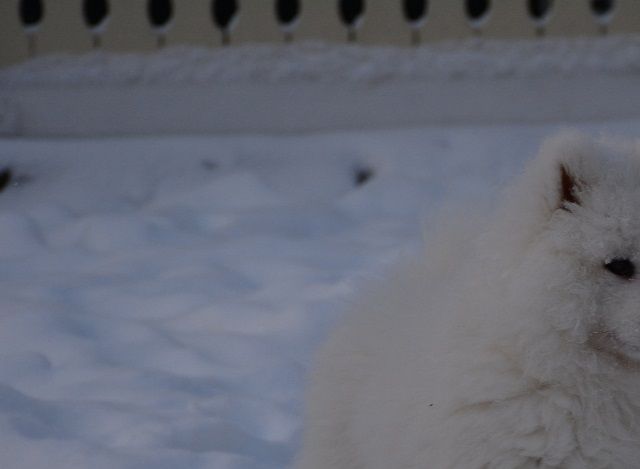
{"x":318,"y":62}
{"x":316,"y":87}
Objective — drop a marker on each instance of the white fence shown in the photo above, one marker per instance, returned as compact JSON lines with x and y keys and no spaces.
{"x":37,"y":27}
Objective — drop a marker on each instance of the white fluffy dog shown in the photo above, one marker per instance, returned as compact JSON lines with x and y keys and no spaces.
{"x":512,"y":344}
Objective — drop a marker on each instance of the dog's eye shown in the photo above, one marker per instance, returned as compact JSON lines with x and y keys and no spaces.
{"x":621,"y":267}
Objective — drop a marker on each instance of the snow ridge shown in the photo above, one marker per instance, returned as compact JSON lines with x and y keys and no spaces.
{"x":334,"y":63}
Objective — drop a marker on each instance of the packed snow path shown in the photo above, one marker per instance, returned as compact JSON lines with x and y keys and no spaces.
{"x":161,"y":298}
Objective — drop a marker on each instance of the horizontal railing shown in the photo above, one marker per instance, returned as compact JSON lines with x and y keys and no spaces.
{"x":31,"y":28}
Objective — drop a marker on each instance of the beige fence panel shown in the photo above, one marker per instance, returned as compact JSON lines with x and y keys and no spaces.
{"x":193,"y":24}
{"x":319,"y":20}
{"x":256,"y":23}
{"x":63,"y":28}
{"x":446,"y":20}
{"x":626,"y":18}
{"x":384,"y":23}
{"x":128,"y":27}
{"x":13,"y":40}
{"x":572,"y":18}
{"x":508,"y":19}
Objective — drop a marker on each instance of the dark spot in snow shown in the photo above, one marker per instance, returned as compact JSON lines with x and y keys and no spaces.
{"x":362,"y":175}
{"x":6,"y":176}
{"x":9,"y":179}
{"x":209,"y":165}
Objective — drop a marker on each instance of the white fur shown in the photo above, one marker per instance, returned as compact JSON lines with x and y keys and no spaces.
{"x":508,"y":346}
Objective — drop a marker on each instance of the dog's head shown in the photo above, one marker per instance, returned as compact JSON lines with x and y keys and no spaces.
{"x":583,"y":202}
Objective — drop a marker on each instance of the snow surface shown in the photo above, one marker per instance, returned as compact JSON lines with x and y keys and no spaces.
{"x":161,"y":298}
{"x":317,"y":62}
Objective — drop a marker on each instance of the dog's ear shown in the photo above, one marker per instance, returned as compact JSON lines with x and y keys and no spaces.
{"x":576,"y":162}
{"x":569,"y":187}
{"x":569,"y":168}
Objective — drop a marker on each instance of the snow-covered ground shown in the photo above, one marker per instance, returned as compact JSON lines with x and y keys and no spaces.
{"x":161,"y":298}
